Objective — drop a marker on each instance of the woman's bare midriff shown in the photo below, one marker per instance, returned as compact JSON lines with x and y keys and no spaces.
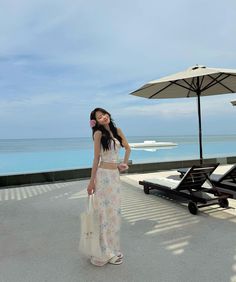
{"x":108,"y":165}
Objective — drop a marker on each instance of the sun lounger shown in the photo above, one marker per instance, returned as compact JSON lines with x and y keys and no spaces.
{"x":190,"y":187}
{"x":225,"y":182}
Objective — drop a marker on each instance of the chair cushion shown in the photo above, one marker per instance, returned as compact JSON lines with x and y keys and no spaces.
{"x":168,"y":183}
{"x":220,"y":172}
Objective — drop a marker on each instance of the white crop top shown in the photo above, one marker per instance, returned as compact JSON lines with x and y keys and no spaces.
{"x":112,"y":155}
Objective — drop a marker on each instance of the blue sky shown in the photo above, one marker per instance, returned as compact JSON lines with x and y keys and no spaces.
{"x":60,"y":59}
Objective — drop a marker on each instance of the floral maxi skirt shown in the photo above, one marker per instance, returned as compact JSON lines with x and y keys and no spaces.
{"x":108,"y":205}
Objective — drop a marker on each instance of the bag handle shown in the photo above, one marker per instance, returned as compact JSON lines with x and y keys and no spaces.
{"x":90,"y":203}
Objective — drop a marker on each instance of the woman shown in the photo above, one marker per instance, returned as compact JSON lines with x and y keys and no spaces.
{"x":105,"y":183}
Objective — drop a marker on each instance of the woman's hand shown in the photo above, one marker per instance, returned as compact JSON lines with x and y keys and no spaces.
{"x":91,"y":188}
{"x":123,"y":167}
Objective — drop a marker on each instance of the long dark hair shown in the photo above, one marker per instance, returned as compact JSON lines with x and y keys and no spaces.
{"x":106,"y":136}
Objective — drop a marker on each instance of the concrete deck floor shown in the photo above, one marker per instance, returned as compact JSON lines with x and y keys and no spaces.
{"x":161,"y":240}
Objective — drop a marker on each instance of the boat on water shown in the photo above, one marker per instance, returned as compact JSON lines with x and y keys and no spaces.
{"x":152,"y":144}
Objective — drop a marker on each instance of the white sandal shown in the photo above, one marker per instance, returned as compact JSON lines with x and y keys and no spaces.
{"x":116,"y":260}
{"x":120,"y":255}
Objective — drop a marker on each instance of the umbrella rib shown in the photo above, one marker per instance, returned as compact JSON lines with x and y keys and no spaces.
{"x":183,"y":86}
{"x":160,"y":90}
{"x":200,"y":84}
{"x":173,"y":82}
{"x":141,"y":89}
{"x":222,"y":84}
{"x":213,"y":82}
{"x":192,"y":83}
{"x":216,"y":81}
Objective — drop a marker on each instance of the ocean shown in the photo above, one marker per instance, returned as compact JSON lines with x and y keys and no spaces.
{"x":37,"y":155}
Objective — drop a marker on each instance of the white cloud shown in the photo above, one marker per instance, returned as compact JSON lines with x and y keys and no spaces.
{"x":210,"y":106}
{"x":69,"y":57}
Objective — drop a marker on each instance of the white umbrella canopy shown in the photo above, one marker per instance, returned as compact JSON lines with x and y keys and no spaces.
{"x":196,"y":81}
{"x":208,"y":81}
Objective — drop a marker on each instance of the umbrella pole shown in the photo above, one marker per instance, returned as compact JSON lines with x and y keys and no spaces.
{"x":199,"y":124}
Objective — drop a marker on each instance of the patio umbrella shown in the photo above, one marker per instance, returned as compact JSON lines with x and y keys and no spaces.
{"x":196,"y":81}
{"x":233,"y":103}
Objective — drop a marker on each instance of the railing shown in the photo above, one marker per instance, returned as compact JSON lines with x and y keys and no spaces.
{"x":76,"y":174}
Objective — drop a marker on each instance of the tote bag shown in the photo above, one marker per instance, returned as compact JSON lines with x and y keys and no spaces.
{"x":89,"y":243}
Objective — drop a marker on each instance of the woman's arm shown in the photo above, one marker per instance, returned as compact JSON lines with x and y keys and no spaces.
{"x":97,"y":148}
{"x":126,"y":146}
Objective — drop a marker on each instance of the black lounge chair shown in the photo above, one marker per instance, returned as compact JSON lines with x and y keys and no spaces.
{"x":191,"y":187}
{"x":225,"y":182}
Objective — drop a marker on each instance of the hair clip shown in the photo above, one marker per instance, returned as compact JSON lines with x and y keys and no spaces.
{"x":92,"y":123}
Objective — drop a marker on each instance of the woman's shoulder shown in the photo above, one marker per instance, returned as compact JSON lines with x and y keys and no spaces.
{"x":119,"y":131}
{"x":97,"y":134}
